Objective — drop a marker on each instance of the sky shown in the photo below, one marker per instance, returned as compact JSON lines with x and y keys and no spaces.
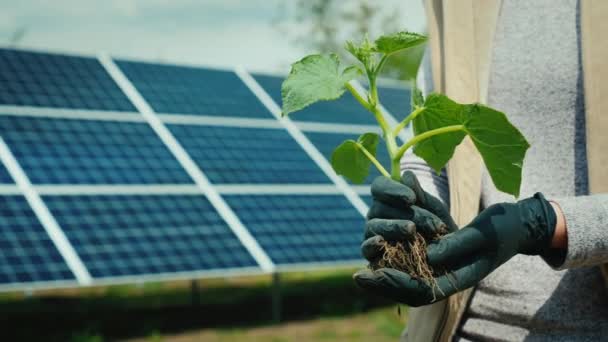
{"x":213,"y":33}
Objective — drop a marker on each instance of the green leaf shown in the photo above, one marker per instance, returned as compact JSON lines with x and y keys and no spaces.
{"x":417,"y":98}
{"x":350,"y":161}
{"x":362,"y":51}
{"x":501,"y":145}
{"x":315,"y":78}
{"x":439,"y":111}
{"x":398,"y":41}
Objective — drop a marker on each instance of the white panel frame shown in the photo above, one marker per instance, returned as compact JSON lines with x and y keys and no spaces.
{"x":41,"y":285}
{"x":118,"y":189}
{"x":132,"y":279}
{"x":66,"y":113}
{"x":10,"y":189}
{"x":176,"y":189}
{"x":316,"y":266}
{"x":362,"y":189}
{"x":174,"y":276}
{"x":278,"y":189}
{"x":301,"y":139}
{"x":181,"y":189}
{"x":188,"y":164}
{"x":181,"y":119}
{"x":307,"y":126}
{"x":45,"y":217}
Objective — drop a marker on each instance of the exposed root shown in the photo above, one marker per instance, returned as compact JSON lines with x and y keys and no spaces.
{"x":409,"y":257}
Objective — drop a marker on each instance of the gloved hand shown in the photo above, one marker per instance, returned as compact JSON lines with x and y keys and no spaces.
{"x":470,"y":254}
{"x":408,"y":201}
{"x":398,"y":210}
{"x":384,"y":189}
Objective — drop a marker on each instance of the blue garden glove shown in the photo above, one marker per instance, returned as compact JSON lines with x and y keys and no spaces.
{"x":468,"y":255}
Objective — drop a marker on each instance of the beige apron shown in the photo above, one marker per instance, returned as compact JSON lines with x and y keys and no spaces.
{"x":461,"y":35}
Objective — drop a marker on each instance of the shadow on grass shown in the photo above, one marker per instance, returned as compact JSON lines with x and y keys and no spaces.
{"x":128,"y":311}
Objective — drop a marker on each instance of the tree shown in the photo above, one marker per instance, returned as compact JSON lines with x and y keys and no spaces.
{"x":322,"y":26}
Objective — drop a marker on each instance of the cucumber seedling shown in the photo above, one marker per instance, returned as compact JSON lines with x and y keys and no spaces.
{"x":439,"y":125}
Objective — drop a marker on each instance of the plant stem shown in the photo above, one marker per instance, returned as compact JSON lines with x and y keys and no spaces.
{"x":420,"y":137}
{"x":407,"y":120}
{"x":389,"y":137}
{"x":373,"y":90}
{"x":373,"y":109}
{"x":358,"y":97}
{"x":380,"y":65}
{"x":386,"y":129}
{"x":374,"y":161}
{"x":396,"y":169}
{"x":372,"y":104}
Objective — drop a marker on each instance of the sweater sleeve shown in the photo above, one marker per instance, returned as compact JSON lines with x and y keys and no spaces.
{"x":587,"y":229}
{"x":431,"y":182}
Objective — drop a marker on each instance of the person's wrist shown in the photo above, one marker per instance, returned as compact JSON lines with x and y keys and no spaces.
{"x":539,"y":220}
{"x":560,"y":234}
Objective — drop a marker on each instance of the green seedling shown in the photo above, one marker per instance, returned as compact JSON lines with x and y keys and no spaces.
{"x":439,"y":123}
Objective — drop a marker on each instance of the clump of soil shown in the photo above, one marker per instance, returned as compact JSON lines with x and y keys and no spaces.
{"x":410,"y":257}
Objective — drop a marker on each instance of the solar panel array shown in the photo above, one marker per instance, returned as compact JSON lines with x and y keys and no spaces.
{"x":115,"y":171}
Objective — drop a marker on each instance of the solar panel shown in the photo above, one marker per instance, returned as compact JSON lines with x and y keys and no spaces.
{"x":68,"y":151}
{"x":368,"y":199}
{"x":166,"y":233}
{"x":120,"y":235}
{"x":248,"y":155}
{"x":27,"y":253}
{"x":195,"y":91}
{"x":345,"y":110}
{"x":327,"y":142}
{"x":50,"y":80}
{"x":302,"y":228}
{"x":5,"y":177}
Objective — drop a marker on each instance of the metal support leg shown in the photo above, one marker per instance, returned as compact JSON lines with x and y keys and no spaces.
{"x":276,"y":297}
{"x":195,"y":292}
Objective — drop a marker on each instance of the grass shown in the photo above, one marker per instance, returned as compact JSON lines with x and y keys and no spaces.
{"x":381,"y":324}
{"x":316,"y":306}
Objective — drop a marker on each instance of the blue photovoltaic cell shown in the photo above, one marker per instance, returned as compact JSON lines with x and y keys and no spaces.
{"x":27,"y":254}
{"x":66,"y":151}
{"x":327,"y":142}
{"x":188,"y":90}
{"x":345,"y":110}
{"x":119,"y":235}
{"x":51,"y":80}
{"x":5,"y":177}
{"x":248,"y":155}
{"x":368,"y":199}
{"x":396,"y":101}
{"x":302,"y":228}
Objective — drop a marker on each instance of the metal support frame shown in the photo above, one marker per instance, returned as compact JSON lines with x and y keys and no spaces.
{"x":195,"y":295}
{"x":276,"y":297}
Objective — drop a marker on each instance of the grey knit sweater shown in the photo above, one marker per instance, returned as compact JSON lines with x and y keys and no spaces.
{"x":536,"y":79}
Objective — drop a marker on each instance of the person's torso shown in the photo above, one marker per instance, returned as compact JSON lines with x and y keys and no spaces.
{"x":536,"y":78}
